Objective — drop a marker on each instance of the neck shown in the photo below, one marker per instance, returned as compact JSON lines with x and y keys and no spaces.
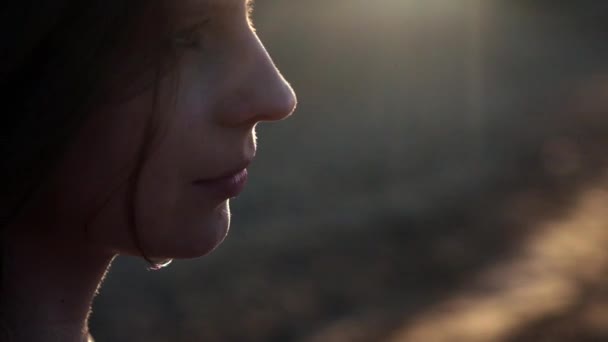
{"x":48,"y":287}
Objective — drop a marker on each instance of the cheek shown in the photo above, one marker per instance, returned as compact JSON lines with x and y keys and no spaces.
{"x":172,"y":219}
{"x":93,"y":167}
{"x":91,"y":183}
{"x":170,"y":223}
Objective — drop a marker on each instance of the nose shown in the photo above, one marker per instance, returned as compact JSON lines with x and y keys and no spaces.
{"x":257,"y":91}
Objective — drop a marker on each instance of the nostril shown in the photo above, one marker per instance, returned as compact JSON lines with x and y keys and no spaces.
{"x":263,"y":104}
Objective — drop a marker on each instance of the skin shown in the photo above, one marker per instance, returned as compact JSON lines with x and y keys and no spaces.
{"x":221,"y":86}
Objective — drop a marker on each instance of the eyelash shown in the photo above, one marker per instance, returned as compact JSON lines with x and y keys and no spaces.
{"x":192,"y":38}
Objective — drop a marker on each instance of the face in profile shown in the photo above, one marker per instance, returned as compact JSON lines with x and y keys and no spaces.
{"x":221,"y":85}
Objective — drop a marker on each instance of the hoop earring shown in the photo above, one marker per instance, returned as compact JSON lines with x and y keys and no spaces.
{"x":157,"y":264}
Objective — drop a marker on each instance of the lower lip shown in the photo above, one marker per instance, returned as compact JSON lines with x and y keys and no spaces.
{"x":225,"y":187}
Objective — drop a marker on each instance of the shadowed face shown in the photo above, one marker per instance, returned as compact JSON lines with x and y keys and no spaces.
{"x":221,"y":85}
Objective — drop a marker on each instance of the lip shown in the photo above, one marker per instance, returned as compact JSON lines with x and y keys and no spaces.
{"x":228,"y":185}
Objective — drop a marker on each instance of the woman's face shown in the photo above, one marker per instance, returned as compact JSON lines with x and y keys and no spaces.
{"x":222,"y":85}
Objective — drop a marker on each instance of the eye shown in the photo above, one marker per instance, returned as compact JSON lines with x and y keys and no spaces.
{"x":191,"y":38}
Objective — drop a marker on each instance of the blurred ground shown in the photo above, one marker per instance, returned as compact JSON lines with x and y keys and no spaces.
{"x":444,"y":179}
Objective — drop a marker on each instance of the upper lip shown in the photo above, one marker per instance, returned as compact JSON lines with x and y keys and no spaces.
{"x":227,"y":173}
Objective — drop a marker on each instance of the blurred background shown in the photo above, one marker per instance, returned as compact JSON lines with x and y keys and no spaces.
{"x":444,"y":179}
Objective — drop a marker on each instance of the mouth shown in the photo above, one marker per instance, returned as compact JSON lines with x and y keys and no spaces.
{"x":227,"y":185}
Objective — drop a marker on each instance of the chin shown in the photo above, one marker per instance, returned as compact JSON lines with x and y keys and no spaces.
{"x":190,"y":238}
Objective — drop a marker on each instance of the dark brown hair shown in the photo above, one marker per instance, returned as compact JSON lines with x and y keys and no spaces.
{"x":58,"y":58}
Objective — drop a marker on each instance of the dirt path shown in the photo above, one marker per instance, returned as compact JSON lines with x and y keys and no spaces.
{"x":548,"y":278}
